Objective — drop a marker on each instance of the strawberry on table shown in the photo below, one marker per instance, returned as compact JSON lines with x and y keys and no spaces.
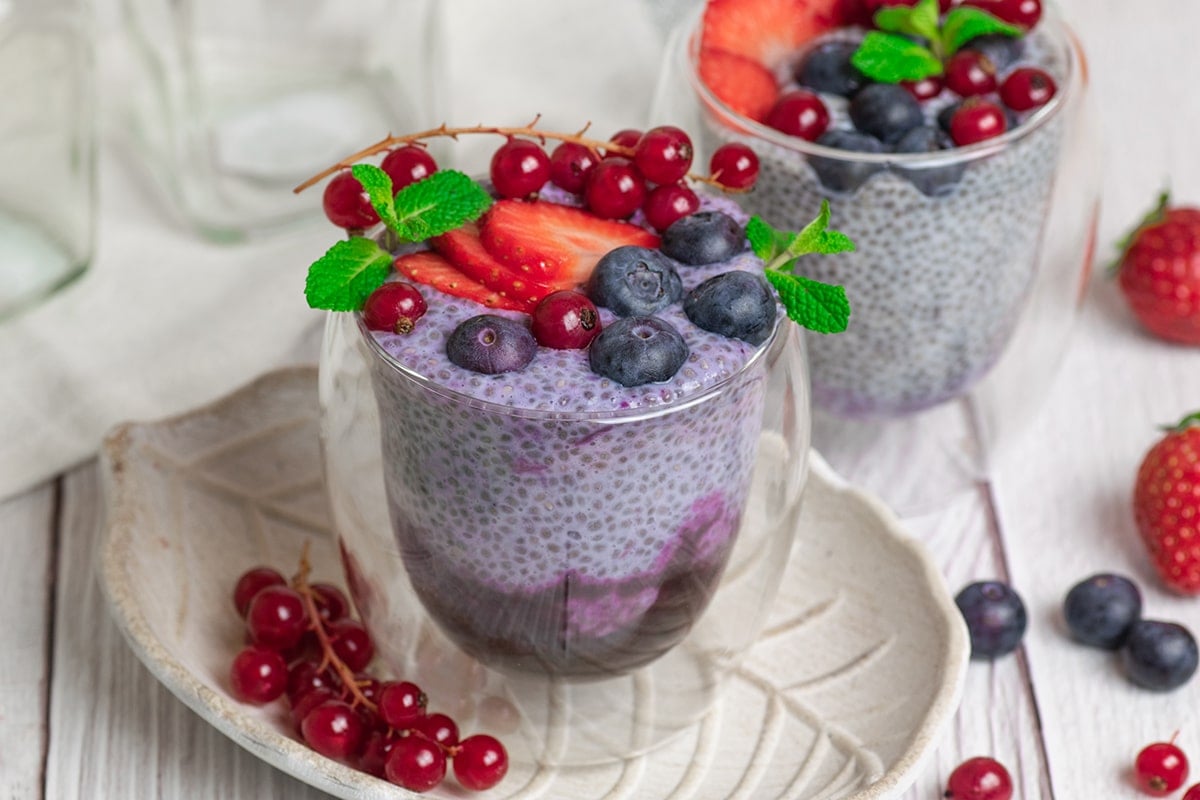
{"x":1159,"y":272}
{"x":1166,"y":505}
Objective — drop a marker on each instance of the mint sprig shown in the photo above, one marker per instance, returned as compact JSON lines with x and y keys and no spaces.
{"x":343,"y":278}
{"x":964,"y":23}
{"x":817,"y":306}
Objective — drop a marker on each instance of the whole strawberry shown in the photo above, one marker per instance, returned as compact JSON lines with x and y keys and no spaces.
{"x":1166,"y":505}
{"x":1159,"y":272}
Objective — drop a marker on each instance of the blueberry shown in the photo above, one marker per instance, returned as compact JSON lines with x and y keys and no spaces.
{"x":1159,"y":655}
{"x":736,"y":304}
{"x":703,"y":238}
{"x":845,"y":174}
{"x":634,"y":281}
{"x":491,"y":345}
{"x":933,"y":181}
{"x":995,"y":618}
{"x":1101,"y":609}
{"x":637,"y":350}
{"x":886,"y":111}
{"x":827,"y":68}
{"x":1001,"y":50}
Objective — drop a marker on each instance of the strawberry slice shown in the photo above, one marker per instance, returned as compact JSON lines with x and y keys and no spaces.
{"x":465,"y":251}
{"x":557,"y":246}
{"x":769,"y":32}
{"x":433,"y":270}
{"x":740,"y":83}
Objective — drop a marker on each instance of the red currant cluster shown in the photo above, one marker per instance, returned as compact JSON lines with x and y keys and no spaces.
{"x":347,"y":205}
{"x":979,"y":778}
{"x":304,"y":646}
{"x":1162,"y":768}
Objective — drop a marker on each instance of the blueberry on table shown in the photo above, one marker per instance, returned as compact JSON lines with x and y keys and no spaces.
{"x":995,"y":617}
{"x":491,"y":345}
{"x":846,"y":174}
{"x":634,"y":281}
{"x":705,"y":237}
{"x":886,"y":111}
{"x":1100,"y":610}
{"x":1159,"y":655}
{"x":827,"y":68}
{"x":638,"y":350}
{"x":736,"y":304}
{"x":932,"y":181}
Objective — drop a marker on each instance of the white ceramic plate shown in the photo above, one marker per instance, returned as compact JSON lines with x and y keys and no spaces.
{"x":849,"y":689}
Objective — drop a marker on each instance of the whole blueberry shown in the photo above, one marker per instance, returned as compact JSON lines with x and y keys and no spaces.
{"x":491,"y":345}
{"x":634,"y":281}
{"x":995,"y":618}
{"x":1101,"y":609}
{"x":1159,"y":655}
{"x":703,"y":238}
{"x":886,"y":111}
{"x":827,"y":68}
{"x":1001,"y":50}
{"x":845,"y":174}
{"x":637,"y":350}
{"x":736,"y":304}
{"x":932,"y":181}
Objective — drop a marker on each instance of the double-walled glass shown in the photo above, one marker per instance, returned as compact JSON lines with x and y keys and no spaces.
{"x":585,"y":580}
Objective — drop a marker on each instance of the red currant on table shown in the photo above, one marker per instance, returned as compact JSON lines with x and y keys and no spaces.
{"x":401,"y":704}
{"x":734,"y":166}
{"x":408,"y":164}
{"x":331,"y":601}
{"x":308,"y":701}
{"x":924,"y":89}
{"x":258,"y":675}
{"x":565,"y":320}
{"x":1160,"y":768}
{"x":481,"y":762}
{"x":969,"y":73}
{"x":979,"y":778}
{"x":438,"y":728}
{"x":305,"y":676}
{"x":346,"y":203}
{"x":251,"y":582}
{"x":1027,"y":88}
{"x":415,"y":763}
{"x":799,"y":113}
{"x":627,"y":137}
{"x":276,"y":618}
{"x":375,"y":753}
{"x":519,"y":168}
{"x":351,"y":643}
{"x":666,"y":204}
{"x":1192,"y":793}
{"x":570,"y":164}
{"x":615,"y":189}
{"x":977,"y":121}
{"x":663,"y":154}
{"x":334,"y":730}
{"x":395,"y":306}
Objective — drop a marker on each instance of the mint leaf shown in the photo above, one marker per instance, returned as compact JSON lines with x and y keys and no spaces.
{"x":889,"y":58}
{"x":811,"y":304}
{"x":349,"y":271}
{"x":817,"y":238}
{"x":378,"y":185}
{"x":766,"y":242}
{"x":442,"y":202}
{"x":964,"y":23}
{"x":920,"y":20}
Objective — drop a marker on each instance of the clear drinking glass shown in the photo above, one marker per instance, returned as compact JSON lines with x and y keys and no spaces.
{"x":47,"y":148}
{"x":232,"y":103}
{"x":582,"y":582}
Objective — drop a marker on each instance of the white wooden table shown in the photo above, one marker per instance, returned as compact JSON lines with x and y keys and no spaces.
{"x":81,"y":718}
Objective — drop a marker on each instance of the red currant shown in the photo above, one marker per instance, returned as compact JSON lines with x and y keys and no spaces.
{"x":977,"y":121}
{"x":415,"y":763}
{"x":519,"y":168}
{"x":569,"y":166}
{"x":663,"y":154}
{"x":306,"y":676}
{"x":395,"y":306}
{"x":351,"y":643}
{"x":734,"y":166}
{"x":481,"y":762}
{"x":924,"y":89}
{"x":969,"y":73}
{"x":346,"y":203}
{"x":1025,"y":13}
{"x":258,"y":675}
{"x":565,"y":320}
{"x":1027,"y":88}
{"x":1160,"y":768}
{"x":979,"y":778}
{"x":438,"y":728}
{"x":250,"y":583}
{"x":667,"y":204}
{"x":799,"y":113}
{"x":627,"y":137}
{"x":276,"y":618}
{"x":408,"y":164}
{"x":615,"y":189}
{"x":375,"y":753}
{"x":334,"y":730}
{"x":1192,"y":793}
{"x":307,"y":702}
{"x":401,"y":704}
{"x":331,"y":601}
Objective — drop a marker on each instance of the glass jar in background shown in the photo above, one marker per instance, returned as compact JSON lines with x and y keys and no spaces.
{"x":231,"y":103}
{"x":47,"y":148}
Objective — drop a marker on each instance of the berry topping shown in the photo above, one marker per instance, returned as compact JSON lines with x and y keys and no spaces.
{"x":634,"y":281}
{"x":979,"y":778}
{"x":977,"y":121}
{"x":924,"y":89}
{"x":258,"y":675}
{"x":1025,"y":13}
{"x":766,"y":31}
{"x":704,"y":238}
{"x":481,"y":762}
{"x":250,"y":583}
{"x":1159,"y":274}
{"x":565,"y":321}
{"x":736,"y":304}
{"x":433,"y":270}
{"x":1159,"y":655}
{"x":626,"y":137}
{"x":637,"y":350}
{"x":999,"y":49}
{"x":746,"y":86}
{"x":408,"y":164}
{"x":667,"y":204}
{"x":885,"y":111}
{"x":1100,"y":610}
{"x":491,"y":345}
{"x":734,"y":166}
{"x":1027,"y":88}
{"x":614,"y":189}
{"x":995,"y":618}
{"x":465,"y":250}
{"x":845,"y":174}
{"x":799,"y":113}
{"x":334,"y":730}
{"x":1160,"y":768}
{"x":519,"y":168}
{"x":932,"y":181}
{"x":663,"y":154}
{"x":347,"y":204}
{"x":970,"y":73}
{"x":416,"y":764}
{"x":394,"y":306}
{"x":569,"y":166}
{"x":827,"y":68}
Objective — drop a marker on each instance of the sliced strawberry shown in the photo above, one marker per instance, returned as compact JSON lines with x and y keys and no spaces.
{"x":464,"y":250}
{"x":769,"y":32}
{"x":554,"y":245}
{"x":743,"y":85}
{"x":433,"y":270}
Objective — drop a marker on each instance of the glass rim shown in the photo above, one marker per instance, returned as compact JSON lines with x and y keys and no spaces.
{"x":1062,"y":39}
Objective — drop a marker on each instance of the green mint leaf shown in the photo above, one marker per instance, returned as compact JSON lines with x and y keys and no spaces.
{"x":378,"y":185}
{"x":920,"y":20}
{"x":766,"y":242}
{"x":888,"y":58}
{"x":811,"y":304}
{"x":1191,"y":420}
{"x":964,"y":23}
{"x":445,"y":200}
{"x":349,"y":271}
{"x":817,"y":238}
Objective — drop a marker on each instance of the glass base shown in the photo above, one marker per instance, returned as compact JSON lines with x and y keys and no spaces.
{"x":33,"y":264}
